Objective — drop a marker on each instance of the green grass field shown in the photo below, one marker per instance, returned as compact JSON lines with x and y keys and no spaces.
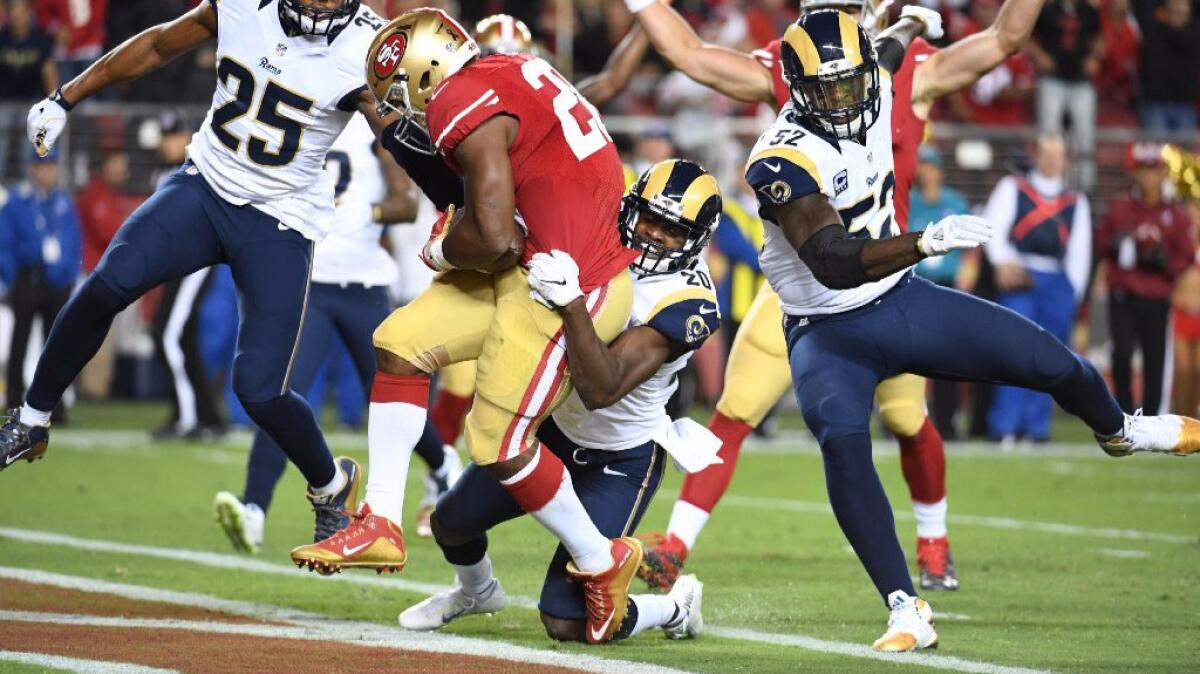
{"x":1070,"y":561}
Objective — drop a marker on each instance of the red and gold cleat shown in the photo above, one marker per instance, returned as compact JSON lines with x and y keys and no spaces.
{"x":663,"y":560}
{"x":936,"y":564}
{"x":370,"y":541}
{"x":607,"y":593}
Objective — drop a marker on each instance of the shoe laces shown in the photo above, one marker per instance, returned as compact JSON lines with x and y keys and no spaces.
{"x":330,"y":516}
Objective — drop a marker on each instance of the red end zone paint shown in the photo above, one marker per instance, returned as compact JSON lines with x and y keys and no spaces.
{"x":390,"y":53}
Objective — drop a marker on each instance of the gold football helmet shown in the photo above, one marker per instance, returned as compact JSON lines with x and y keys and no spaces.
{"x":504,"y":34}
{"x":408,"y":59}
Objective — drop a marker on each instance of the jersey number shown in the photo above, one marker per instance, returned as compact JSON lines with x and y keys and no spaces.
{"x":859,"y":216}
{"x":697,"y":278}
{"x":268,"y":115}
{"x":336,"y":160}
{"x":584,"y":143}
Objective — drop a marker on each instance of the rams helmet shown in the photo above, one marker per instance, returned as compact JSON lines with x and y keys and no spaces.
{"x":504,"y":34}
{"x":680,"y":193}
{"x":872,"y":14}
{"x":831,"y":70}
{"x":301,"y":17}
{"x":409,"y":58}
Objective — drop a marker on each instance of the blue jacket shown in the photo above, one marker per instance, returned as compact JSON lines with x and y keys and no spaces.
{"x":40,"y":231}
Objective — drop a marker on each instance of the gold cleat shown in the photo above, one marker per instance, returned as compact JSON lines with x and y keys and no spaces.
{"x":370,"y":541}
{"x":910,"y":625}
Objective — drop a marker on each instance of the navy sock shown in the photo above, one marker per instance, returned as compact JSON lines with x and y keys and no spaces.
{"x":76,"y":336}
{"x":265,"y":467}
{"x":862,"y":510}
{"x":290,"y":422}
{"x":429,"y":447}
{"x":467,"y":553}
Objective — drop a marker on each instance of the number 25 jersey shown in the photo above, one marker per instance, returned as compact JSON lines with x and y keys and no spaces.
{"x":566,"y":172}
{"x":279,"y":103}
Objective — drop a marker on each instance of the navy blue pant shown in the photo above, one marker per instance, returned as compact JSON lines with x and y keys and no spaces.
{"x":183,"y":227}
{"x":614,"y":487}
{"x":918,"y":327}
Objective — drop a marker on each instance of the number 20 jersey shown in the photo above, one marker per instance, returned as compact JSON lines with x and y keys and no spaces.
{"x":792,"y":160}
{"x":566,"y":172}
{"x":279,"y":104}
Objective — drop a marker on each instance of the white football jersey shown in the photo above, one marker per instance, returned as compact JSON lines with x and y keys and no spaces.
{"x":790,"y":161}
{"x":351,"y":253}
{"x":279,"y":104}
{"x":682,"y":306}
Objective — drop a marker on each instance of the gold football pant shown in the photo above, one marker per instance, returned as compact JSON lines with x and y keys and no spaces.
{"x":518,"y":345}
{"x":459,"y":378}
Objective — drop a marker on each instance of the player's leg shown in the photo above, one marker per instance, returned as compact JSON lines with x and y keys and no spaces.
{"x":168,"y":236}
{"x":453,"y":400}
{"x":1006,"y":414}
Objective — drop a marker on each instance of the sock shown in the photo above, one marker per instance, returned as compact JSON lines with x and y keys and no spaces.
{"x":430,"y":447}
{"x":447,"y":414}
{"x":687,"y":521}
{"x":292,"y":425}
{"x":543,"y":489}
{"x":923,"y":462}
{"x":653,"y":610}
{"x":32,"y":417}
{"x":931,"y":519}
{"x":705,"y":488}
{"x":334,"y":485}
{"x":266,"y":465}
{"x":394,"y":426}
{"x":475,"y":578}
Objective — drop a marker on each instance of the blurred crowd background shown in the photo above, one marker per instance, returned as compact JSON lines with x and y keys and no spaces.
{"x":1102,"y":105}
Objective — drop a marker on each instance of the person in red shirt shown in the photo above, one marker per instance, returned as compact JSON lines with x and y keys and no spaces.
{"x":1002,"y":97}
{"x":103,"y":205}
{"x":80,"y":26}
{"x":1146,"y":243}
{"x":1118,"y":74}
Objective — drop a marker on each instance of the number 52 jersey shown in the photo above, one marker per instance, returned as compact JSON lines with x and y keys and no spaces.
{"x":279,"y":103}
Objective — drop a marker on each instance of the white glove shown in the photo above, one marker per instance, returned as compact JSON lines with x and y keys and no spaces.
{"x":554,"y":279}
{"x":954,"y":232}
{"x":45,"y":122}
{"x":931,"y":19}
{"x":635,"y":6}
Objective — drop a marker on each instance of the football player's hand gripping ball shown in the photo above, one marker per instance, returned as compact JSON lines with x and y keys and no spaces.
{"x":45,"y":123}
{"x":431,"y":252}
{"x":931,"y":19}
{"x":554,"y":279}
{"x":954,"y":232}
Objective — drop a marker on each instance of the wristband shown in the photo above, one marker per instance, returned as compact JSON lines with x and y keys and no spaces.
{"x":636,"y":6}
{"x":58,"y":97}
{"x":918,"y":247}
{"x":376,"y":213}
{"x":438,"y":257}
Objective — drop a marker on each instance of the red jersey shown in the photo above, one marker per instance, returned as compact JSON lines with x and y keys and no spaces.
{"x":1161,"y":241}
{"x":908,"y":130}
{"x":567,"y":174}
{"x":84,"y":22}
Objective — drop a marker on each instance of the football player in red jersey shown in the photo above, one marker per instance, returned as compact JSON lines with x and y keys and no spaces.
{"x":540,"y":174}
{"x":757,"y":374}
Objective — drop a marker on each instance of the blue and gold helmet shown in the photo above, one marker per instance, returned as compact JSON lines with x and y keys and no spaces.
{"x":317,"y":17}
{"x":677,"y":192}
{"x":831,"y":70}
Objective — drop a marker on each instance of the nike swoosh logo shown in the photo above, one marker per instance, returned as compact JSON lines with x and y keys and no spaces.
{"x":555,"y":283}
{"x":609,"y":471}
{"x":447,"y":617}
{"x":350,"y":552}
{"x":13,"y":458}
{"x":708,"y":310}
{"x":774,"y":167}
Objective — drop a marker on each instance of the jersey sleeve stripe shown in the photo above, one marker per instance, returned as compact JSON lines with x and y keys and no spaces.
{"x":463,"y":113}
{"x":794,"y":156}
{"x":690,"y":293}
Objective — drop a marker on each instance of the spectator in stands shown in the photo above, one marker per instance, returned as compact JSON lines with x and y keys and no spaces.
{"x":78,"y":26}
{"x":738,"y":239}
{"x":929,"y":202}
{"x":1067,"y":49}
{"x":1004,"y":96}
{"x":1146,"y":243}
{"x":653,"y":146}
{"x":1119,"y":67}
{"x":1171,"y":68}
{"x":40,"y":237}
{"x":27,"y":72}
{"x":1042,"y":254}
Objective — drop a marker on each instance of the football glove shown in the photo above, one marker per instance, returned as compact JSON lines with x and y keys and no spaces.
{"x":46,"y":121}
{"x":954,"y":232}
{"x":931,"y":19}
{"x":554,"y":279}
{"x":431,"y":252}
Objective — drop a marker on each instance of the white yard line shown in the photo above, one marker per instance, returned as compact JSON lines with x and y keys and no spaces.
{"x":79,"y":665}
{"x":1121,"y":553}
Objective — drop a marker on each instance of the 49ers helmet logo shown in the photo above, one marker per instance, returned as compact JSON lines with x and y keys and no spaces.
{"x":390,"y":53}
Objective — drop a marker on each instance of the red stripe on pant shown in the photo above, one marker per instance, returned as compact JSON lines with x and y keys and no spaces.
{"x":395,"y":388}
{"x":705,"y":488}
{"x":923,"y":461}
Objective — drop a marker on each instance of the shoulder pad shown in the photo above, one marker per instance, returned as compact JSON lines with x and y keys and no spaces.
{"x":781,"y":174}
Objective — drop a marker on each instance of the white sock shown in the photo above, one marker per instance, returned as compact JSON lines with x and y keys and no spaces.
{"x":32,"y":417}
{"x":475,"y":578}
{"x":338,"y":481}
{"x":393,"y":430}
{"x":687,"y":521}
{"x":931,"y":519}
{"x":654,"y":610}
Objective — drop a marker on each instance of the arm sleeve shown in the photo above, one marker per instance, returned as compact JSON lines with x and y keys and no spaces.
{"x":459,"y":108}
{"x":440,"y":184}
{"x":1078,"y":260}
{"x":688,"y":322}
{"x":1001,"y":210}
{"x":890,"y":52}
{"x":735,"y":245}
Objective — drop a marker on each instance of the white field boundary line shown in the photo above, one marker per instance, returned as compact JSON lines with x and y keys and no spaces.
{"x":78,"y":664}
{"x":241,"y":563}
{"x":818,"y":508}
{"x":302,"y":625}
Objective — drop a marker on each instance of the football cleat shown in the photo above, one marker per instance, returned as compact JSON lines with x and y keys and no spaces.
{"x":242,"y":523}
{"x":606,"y":594}
{"x":910,"y":625}
{"x":663,"y":560}
{"x":370,"y":541}
{"x":20,"y":441}
{"x":688,"y":594}
{"x":333,"y":511}
{"x":1162,"y":434}
{"x":444,"y":607}
{"x":936,"y":564}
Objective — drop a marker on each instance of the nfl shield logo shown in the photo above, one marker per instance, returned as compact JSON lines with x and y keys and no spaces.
{"x":280,"y":49}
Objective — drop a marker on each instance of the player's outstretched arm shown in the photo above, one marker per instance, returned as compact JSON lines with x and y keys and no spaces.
{"x":485,"y":237}
{"x":731,"y":72}
{"x":914,"y":22}
{"x":605,"y":85}
{"x":961,"y":64}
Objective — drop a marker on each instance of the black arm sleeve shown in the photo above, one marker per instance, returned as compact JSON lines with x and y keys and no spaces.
{"x":834,"y":258}
{"x":429,"y":172}
{"x":890,"y":53}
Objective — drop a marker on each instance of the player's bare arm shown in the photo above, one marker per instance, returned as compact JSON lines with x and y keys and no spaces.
{"x":733,"y":73}
{"x":605,"y":85}
{"x":963,"y":62}
{"x":400,"y":202}
{"x":485,"y":236}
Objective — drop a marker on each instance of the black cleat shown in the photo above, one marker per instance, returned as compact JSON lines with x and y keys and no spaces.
{"x":18,"y":441}
{"x":333,"y":511}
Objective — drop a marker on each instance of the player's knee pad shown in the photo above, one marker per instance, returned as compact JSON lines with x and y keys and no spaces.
{"x":835,"y":416}
{"x":445,"y":535}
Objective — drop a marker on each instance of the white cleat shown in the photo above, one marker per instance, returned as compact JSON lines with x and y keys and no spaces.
{"x":444,"y":607}
{"x":1162,"y":434}
{"x":242,"y":523}
{"x":688,"y":593}
{"x":910,"y":625}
